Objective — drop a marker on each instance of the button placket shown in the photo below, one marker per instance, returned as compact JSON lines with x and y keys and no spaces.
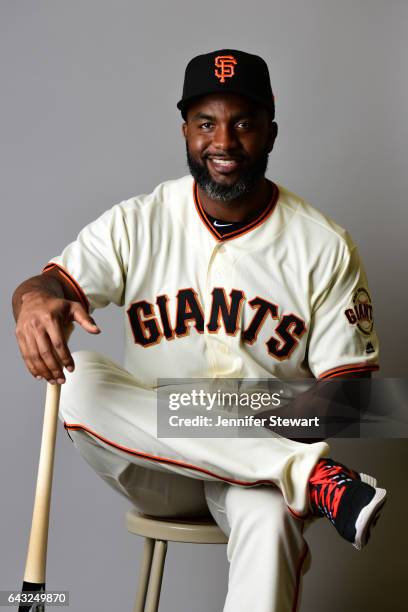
{"x":220,"y":274}
{"x":216,"y":275}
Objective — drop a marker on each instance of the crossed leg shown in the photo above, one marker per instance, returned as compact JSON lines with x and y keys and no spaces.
{"x":111,"y":420}
{"x":266,"y":549}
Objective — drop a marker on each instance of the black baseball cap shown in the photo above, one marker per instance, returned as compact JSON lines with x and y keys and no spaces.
{"x":227,"y":71}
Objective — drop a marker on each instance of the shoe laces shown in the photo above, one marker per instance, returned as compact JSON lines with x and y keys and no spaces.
{"x":328,"y":483}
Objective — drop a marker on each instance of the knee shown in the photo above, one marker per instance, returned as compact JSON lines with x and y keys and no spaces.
{"x":88,"y":364}
{"x":85,"y":359}
{"x":90,"y":370}
{"x":82,"y":361}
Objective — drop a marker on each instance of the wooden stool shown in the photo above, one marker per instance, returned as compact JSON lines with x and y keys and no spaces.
{"x":157,"y":532}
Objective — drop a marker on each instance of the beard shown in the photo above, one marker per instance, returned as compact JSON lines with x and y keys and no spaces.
{"x":246,"y":183}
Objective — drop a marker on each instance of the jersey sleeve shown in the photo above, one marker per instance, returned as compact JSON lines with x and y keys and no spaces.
{"x":342,"y":338}
{"x":95,"y":264}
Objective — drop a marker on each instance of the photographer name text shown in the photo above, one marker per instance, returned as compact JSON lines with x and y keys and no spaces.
{"x":245,"y":421}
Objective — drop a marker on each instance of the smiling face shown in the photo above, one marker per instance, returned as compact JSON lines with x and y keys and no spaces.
{"x":228,"y":140}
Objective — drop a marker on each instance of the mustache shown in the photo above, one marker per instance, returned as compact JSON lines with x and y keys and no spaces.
{"x":250,"y":174}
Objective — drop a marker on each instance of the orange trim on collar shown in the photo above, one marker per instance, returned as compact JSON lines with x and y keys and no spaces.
{"x":243,"y":230}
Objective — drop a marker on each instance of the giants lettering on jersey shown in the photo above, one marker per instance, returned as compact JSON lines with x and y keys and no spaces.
{"x":151,"y":323}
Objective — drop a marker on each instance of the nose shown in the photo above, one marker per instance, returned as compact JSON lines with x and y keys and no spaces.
{"x":224,"y":138}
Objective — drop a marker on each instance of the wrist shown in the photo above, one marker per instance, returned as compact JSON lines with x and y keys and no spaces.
{"x":35,"y":287}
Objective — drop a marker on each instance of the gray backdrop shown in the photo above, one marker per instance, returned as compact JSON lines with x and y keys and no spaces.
{"x":88,"y":118}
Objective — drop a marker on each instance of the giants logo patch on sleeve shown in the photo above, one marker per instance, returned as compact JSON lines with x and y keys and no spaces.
{"x":361,"y":314}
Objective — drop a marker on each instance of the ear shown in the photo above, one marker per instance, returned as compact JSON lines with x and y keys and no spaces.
{"x":273,"y":132}
{"x":184,"y":129}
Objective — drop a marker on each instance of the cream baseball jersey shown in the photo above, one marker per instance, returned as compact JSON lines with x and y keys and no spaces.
{"x":285,"y":296}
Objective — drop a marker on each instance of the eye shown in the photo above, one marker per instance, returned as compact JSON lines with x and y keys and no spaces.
{"x":205,"y":125}
{"x":244,"y":124}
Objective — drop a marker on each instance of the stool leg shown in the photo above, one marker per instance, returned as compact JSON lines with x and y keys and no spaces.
{"x":144,"y":575}
{"x":156,"y":575}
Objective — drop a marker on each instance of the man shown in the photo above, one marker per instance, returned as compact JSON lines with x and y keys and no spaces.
{"x":223,"y":274}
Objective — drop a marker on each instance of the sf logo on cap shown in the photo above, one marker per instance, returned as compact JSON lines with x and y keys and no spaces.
{"x":226,"y":64}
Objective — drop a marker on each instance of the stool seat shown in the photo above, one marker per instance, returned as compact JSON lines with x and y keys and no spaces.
{"x":194,"y":530}
{"x":157,"y":532}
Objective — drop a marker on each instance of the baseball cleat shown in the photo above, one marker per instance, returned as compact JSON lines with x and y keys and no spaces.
{"x":368,"y":479}
{"x":351,"y":501}
{"x":368,"y":517}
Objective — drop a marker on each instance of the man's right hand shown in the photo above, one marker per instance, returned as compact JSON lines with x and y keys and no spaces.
{"x":42,"y":319}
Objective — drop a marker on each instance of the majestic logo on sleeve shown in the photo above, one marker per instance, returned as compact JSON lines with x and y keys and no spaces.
{"x":151,"y":323}
{"x":361,"y":314}
{"x":226,"y":67}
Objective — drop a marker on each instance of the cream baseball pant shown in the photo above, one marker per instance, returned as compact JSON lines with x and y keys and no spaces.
{"x":256,"y":489}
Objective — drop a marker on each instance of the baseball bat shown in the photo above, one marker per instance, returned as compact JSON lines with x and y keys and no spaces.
{"x":34,"y":574}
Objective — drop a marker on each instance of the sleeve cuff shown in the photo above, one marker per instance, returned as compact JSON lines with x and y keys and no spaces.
{"x":71,"y":280}
{"x":348,"y":369}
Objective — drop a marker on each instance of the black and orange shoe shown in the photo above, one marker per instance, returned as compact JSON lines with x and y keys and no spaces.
{"x":351,"y":501}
